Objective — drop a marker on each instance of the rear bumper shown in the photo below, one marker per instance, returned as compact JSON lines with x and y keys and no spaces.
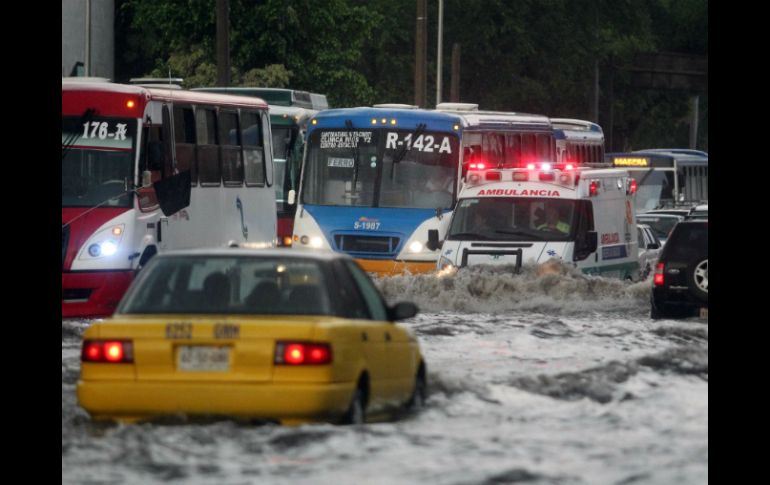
{"x":388,"y":267}
{"x":132,"y":400}
{"x":93,"y":294}
{"x":673,"y":300}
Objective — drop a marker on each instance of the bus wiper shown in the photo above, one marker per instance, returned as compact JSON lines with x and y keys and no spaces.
{"x":404,"y":148}
{"x":644,"y":177}
{"x":72,"y":137}
{"x":349,"y":126}
{"x":114,"y":197}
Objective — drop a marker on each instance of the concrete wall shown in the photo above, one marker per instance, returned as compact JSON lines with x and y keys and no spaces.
{"x":73,"y":36}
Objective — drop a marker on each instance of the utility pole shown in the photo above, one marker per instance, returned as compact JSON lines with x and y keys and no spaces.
{"x":420,"y":55}
{"x":694,"y":123}
{"x":223,"y":43}
{"x":454,"y":90}
{"x":88,"y":39}
{"x":439,"y":55}
{"x":595,"y":100}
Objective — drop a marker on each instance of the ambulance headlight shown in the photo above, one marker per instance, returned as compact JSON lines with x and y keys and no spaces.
{"x":315,"y":242}
{"x":415,"y":247}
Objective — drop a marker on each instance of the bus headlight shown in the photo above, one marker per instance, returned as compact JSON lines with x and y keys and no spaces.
{"x":105,"y":243}
{"x":415,"y":247}
{"x":315,"y":242}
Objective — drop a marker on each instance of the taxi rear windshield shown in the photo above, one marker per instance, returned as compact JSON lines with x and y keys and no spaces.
{"x":229,"y":285}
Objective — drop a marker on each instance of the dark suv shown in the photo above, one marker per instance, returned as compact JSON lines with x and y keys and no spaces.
{"x":680,"y":284}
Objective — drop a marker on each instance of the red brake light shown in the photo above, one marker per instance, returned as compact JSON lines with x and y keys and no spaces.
{"x":493,"y":176}
{"x":300,"y":353}
{"x":633,"y":187}
{"x":92,"y":351}
{"x":113,"y":351}
{"x":659,"y":277}
{"x":593,"y":188}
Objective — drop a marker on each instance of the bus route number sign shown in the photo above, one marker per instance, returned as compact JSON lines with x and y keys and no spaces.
{"x":423,"y":143}
{"x":102,"y":131}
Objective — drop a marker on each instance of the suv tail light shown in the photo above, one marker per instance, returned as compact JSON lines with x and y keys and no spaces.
{"x":658,"y":279}
{"x":302,"y":353}
{"x":107,"y":351}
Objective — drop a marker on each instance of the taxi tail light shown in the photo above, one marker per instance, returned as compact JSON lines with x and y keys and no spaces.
{"x":302,"y":353}
{"x":659,"y":277}
{"x":107,"y":351}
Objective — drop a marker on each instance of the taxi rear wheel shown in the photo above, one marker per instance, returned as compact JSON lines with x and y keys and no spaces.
{"x":356,"y":413}
{"x":420,"y":392}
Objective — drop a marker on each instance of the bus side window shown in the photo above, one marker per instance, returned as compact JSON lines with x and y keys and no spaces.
{"x":185,"y":140}
{"x":253,"y":148}
{"x":232,"y":161}
{"x":209,"y":168}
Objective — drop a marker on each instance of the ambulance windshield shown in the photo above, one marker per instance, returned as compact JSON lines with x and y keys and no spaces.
{"x":513,"y":219}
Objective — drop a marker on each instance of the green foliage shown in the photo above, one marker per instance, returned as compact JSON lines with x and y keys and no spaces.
{"x":534,"y":56}
{"x":274,"y":75}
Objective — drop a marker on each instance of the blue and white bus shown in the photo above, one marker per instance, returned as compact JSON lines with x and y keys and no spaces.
{"x":578,"y":142}
{"x":666,"y":177}
{"x":380,"y":183}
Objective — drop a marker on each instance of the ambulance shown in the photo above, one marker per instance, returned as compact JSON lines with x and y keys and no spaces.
{"x":579,"y":215}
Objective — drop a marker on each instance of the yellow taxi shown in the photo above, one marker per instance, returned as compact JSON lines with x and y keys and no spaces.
{"x":276,"y":335}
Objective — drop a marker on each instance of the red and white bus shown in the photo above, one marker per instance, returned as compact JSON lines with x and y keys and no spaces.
{"x":150,"y":169}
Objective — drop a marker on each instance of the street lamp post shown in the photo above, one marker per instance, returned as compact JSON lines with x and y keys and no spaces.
{"x":438,"y":63}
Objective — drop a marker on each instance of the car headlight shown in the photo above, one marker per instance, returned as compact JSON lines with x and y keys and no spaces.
{"x":444,"y":262}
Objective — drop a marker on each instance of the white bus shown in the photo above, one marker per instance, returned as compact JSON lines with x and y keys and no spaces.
{"x":578,"y":142}
{"x":150,"y":169}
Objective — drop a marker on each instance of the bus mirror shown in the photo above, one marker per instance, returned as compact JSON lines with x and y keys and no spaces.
{"x":146,"y":178}
{"x":433,"y":242}
{"x":290,"y":199}
{"x":154,"y":155}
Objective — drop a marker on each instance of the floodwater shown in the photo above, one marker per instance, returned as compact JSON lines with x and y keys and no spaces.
{"x":545,"y":377}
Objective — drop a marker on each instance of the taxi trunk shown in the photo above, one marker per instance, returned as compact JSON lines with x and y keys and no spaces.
{"x":209,"y":366}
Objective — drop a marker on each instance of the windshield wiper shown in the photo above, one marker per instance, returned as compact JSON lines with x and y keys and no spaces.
{"x":520,"y":232}
{"x":467,"y":236}
{"x":349,"y":126}
{"x":72,"y":137}
{"x":421,"y":127}
{"x":130,"y":191}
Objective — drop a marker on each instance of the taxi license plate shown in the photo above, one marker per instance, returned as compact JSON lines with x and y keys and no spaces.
{"x":203,"y":358}
{"x":704,"y":313}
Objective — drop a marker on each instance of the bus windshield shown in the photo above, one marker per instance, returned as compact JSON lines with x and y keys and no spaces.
{"x":655,"y":188}
{"x":97,"y":161}
{"x":513,"y":219}
{"x":381,"y":168}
